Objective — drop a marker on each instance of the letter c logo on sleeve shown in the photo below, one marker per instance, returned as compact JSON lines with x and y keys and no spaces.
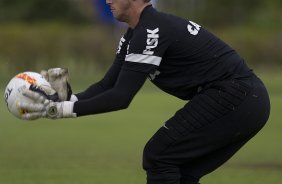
{"x":193,"y":28}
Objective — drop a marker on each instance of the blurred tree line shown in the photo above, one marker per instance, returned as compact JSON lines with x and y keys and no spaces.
{"x":216,"y":12}
{"x":228,"y":13}
{"x":43,"y":33}
{"x":40,"y":10}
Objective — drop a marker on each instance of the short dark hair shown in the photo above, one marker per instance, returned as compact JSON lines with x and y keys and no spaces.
{"x":146,"y":1}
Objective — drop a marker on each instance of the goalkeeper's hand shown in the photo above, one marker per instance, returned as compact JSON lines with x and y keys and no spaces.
{"x":44,"y":108}
{"x":59,"y":80}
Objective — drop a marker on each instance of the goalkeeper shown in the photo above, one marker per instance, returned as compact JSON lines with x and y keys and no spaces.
{"x":228,"y":104}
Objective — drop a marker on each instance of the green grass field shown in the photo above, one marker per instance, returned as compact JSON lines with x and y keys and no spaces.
{"x":107,"y":148}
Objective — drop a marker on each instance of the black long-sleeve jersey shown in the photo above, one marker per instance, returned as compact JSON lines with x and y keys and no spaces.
{"x":176,"y":54}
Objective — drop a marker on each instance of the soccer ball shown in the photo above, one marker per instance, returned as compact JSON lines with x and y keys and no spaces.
{"x":13,"y":92}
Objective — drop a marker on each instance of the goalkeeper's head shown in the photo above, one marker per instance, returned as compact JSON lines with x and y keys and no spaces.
{"x":128,"y":11}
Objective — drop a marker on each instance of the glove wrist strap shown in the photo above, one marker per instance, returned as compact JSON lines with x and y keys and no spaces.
{"x":68,"y":109}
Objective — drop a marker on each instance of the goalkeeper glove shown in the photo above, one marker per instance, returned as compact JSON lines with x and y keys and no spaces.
{"x":58,"y":78}
{"x":44,"y":108}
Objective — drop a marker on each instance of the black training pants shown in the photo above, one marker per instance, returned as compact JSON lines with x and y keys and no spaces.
{"x":207,"y":131}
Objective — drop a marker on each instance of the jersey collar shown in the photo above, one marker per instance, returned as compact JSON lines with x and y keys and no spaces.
{"x":143,"y":14}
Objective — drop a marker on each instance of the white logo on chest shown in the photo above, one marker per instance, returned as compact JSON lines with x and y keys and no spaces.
{"x":152,"y":41}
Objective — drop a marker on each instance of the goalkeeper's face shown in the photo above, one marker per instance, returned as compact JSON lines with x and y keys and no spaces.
{"x":120,"y":9}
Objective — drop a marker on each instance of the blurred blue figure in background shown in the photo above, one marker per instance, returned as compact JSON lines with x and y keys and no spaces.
{"x":103,"y":11}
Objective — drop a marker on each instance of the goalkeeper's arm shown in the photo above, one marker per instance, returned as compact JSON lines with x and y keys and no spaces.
{"x":116,"y":98}
{"x":105,"y":84}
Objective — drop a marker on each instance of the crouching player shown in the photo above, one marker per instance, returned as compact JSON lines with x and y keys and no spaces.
{"x":228,"y":104}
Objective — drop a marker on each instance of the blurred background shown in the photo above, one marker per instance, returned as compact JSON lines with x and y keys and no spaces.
{"x":82,"y":35}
